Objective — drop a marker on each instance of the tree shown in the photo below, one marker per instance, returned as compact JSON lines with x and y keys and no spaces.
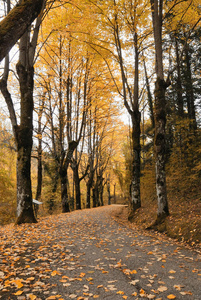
{"x":23,"y":132}
{"x":13,"y":26}
{"x":160,"y":110}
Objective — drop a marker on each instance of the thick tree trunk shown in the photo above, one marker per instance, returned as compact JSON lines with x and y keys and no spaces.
{"x":135,"y":179}
{"x":160,"y":111}
{"x":25,"y":213}
{"x":64,"y":193}
{"x":63,"y":176}
{"x":89,"y":187}
{"x":101,"y":193}
{"x":77,"y":186}
{"x":108,"y":191}
{"x":13,"y":26}
{"x":39,"y":177}
{"x":51,"y":200}
{"x":149,"y":96}
{"x":95,"y":195}
{"x":88,"y":199}
{"x":160,"y":148}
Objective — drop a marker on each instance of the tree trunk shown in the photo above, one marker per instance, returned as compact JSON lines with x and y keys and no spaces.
{"x":160,"y":148}
{"x":77,"y":186}
{"x":135,"y":179}
{"x":160,"y":111}
{"x":180,"y":103}
{"x":88,"y":200}
{"x":63,"y":175}
{"x":51,"y":200}
{"x":13,"y":26}
{"x":108,"y":191}
{"x":149,"y":96}
{"x":89,"y":187}
{"x":136,"y":119}
{"x":95,"y":195}
{"x":64,"y":193}
{"x":189,"y":90}
{"x":39,"y":176}
{"x":25,"y":213}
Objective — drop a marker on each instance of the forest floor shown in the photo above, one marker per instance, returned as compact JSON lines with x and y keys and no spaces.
{"x":183,"y":224}
{"x":94,"y":253}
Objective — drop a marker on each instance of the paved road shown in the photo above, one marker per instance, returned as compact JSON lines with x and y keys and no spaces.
{"x":88,"y":255}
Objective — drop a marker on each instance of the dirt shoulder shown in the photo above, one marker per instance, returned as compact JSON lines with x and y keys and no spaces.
{"x":184,"y":227}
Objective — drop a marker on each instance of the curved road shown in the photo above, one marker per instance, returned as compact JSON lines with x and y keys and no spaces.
{"x":88,"y":255}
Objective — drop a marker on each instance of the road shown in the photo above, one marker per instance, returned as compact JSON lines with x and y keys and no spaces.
{"x":88,"y":255}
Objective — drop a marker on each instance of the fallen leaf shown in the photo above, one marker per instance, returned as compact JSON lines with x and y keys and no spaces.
{"x":134,"y":294}
{"x":162,"y":289}
{"x":172,"y":271}
{"x":72,"y":296}
{"x":55,"y":273}
{"x":120,"y":292}
{"x":18,"y":293}
{"x":171,"y":296}
{"x":151,"y":296}
{"x":18,"y":283}
{"x":133,"y":282}
{"x":142,"y":292}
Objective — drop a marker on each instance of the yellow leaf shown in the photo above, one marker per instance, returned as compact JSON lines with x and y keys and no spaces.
{"x":133,"y":272}
{"x":31,"y":278}
{"x":120,"y":292}
{"x":55,"y":273}
{"x":149,"y":253}
{"x":18,"y":283}
{"x":172,"y":271}
{"x":171,"y":296}
{"x":18,"y":293}
{"x":134,"y":294}
{"x":142,"y":292}
{"x":125,"y":297}
{"x":95,"y":296}
{"x":89,"y":279}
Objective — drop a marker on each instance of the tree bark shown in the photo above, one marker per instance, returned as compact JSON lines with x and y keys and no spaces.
{"x":25,"y":213}
{"x":88,"y":199}
{"x":180,"y":102}
{"x":136,"y":162}
{"x":160,"y":148}
{"x":160,"y":112}
{"x":189,"y":90}
{"x":136,"y":119}
{"x":63,"y":176}
{"x":64,"y":192}
{"x":13,"y":26}
{"x":77,"y":186}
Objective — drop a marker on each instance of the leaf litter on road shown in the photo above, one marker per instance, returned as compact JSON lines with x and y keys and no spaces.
{"x":87,"y":254}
